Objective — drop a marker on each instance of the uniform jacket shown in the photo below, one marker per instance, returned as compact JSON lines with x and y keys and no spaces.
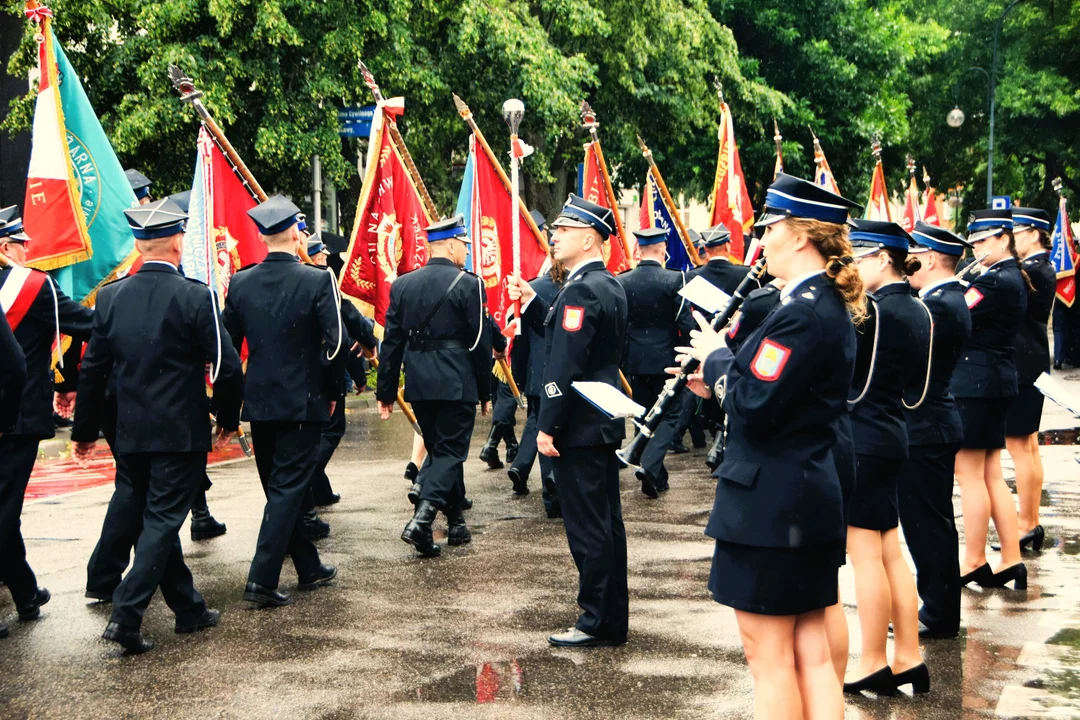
{"x":937,"y":421}
{"x":901,"y":327}
{"x":1032,"y":343}
{"x":755,"y":308}
{"x":452,"y":372}
{"x":288,"y":314}
{"x":997,"y":300}
{"x":12,"y":376}
{"x":655,"y":314}
{"x":529,"y":348}
{"x":585,"y":328}
{"x":722,"y":273}
{"x":784,"y":392}
{"x":154,"y":332}
{"x":35,"y":335}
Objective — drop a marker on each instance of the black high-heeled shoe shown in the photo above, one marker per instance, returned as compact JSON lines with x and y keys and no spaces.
{"x":918,"y":677}
{"x":1034,"y":537}
{"x":979,"y":575}
{"x":879,"y":683}
{"x":1017,"y":573}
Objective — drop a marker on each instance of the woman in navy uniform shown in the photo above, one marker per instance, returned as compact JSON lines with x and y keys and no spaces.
{"x":778,"y":518}
{"x":1031,"y":230}
{"x":892,"y":358}
{"x":984,"y":384}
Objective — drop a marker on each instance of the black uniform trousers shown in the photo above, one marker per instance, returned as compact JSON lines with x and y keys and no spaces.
{"x":286,"y":463}
{"x":504,"y":409}
{"x":588,"y":482}
{"x":162,"y":487}
{"x":925,"y":494}
{"x":331,"y":435}
{"x":17,"y":456}
{"x":527,"y":455}
{"x":689,"y":419}
{"x":447,"y":426}
{"x":647,"y":389}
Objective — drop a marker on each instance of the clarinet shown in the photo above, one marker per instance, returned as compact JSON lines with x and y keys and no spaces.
{"x":631,"y":454}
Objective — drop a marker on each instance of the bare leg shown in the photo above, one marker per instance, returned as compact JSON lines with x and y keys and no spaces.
{"x":1037,"y":485}
{"x":822,"y":696}
{"x":1003,"y":510}
{"x":975,"y":503}
{"x":872,"y":598}
{"x":1020,"y":449}
{"x":419,"y":451}
{"x":905,"y":604}
{"x":769,"y":644}
{"x":836,"y":630}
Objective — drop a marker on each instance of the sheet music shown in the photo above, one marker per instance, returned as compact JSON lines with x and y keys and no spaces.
{"x":609,"y":400}
{"x":1054,"y":390}
{"x":705,"y":295}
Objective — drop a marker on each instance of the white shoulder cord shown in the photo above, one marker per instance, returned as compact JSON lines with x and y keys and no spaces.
{"x":337,"y":306}
{"x":215,"y":369}
{"x":480,"y":329}
{"x":682,"y":301}
{"x":929,"y":358}
{"x":873,"y":357}
{"x":56,"y":318}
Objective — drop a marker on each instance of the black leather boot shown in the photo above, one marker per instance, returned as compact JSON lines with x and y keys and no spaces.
{"x":314,"y":528}
{"x":417,"y":531}
{"x":203,"y":524}
{"x":490,"y":452}
{"x":458,"y":533}
{"x":411,"y":472}
{"x":511,"y":444}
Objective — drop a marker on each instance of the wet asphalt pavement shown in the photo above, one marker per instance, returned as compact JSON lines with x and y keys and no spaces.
{"x":465,"y":635}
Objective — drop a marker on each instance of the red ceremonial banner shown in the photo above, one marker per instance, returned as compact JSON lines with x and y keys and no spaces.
{"x":877,"y":207}
{"x":911,"y":208}
{"x":595,"y":190}
{"x":731,"y":206}
{"x":388,"y":237}
{"x":930,"y":212}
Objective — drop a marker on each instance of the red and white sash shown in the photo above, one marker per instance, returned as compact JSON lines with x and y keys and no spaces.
{"x":18,"y":292}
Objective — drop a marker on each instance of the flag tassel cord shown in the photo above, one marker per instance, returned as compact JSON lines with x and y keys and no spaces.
{"x":670,"y":203}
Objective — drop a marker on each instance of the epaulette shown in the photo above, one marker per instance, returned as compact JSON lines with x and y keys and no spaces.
{"x":246,"y":267}
{"x":116,"y":280}
{"x":197,"y":281}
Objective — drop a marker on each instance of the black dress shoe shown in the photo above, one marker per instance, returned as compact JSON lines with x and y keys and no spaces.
{"x":521,"y":485}
{"x":466,"y":504}
{"x":3,"y":631}
{"x":131,"y":640}
{"x":1034,"y":537}
{"x":324,"y":500}
{"x":322,"y":578}
{"x":32,"y":610}
{"x":1057,"y":366}
{"x":313,"y":528}
{"x":204,"y":526}
{"x":490,"y":452}
{"x":554,"y":510}
{"x":918,"y":677}
{"x":411,"y":472}
{"x":208,"y":619}
{"x":414,"y":493}
{"x":978,"y":575}
{"x":678,"y":449}
{"x":99,"y":596}
{"x":417,"y":531}
{"x":266,"y":597}
{"x":511,"y":450}
{"x":457,"y":531}
{"x":574,"y":638}
{"x":1016,"y":574}
{"x":648,"y":485}
{"x":879,"y":683}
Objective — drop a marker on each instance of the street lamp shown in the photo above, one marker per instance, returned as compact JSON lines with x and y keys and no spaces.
{"x":955,"y":118}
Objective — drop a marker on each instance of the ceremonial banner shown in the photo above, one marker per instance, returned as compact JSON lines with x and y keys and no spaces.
{"x":220,"y":236}
{"x":388,"y":237}
{"x":911,"y":207}
{"x":930,"y":209}
{"x":654,"y":214}
{"x":73,"y":167}
{"x":1063,"y":256}
{"x":877,"y":207}
{"x":731,"y":205}
{"x":595,"y":189}
{"x":824,"y":175}
{"x":489,"y":217}
{"x":467,"y":198}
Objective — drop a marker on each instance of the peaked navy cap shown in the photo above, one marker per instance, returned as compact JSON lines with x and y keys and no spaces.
{"x":932,"y":237}
{"x":716,"y":236}
{"x":11,"y":225}
{"x":539,"y":219}
{"x":1031,"y":217}
{"x":277,"y":214}
{"x":140,"y":184}
{"x":791,"y":197}
{"x":182,"y":199}
{"x":987,"y":223}
{"x":650,"y":236}
{"x":579,"y":212}
{"x":157,"y":219}
{"x":871,"y":235}
{"x":449,"y":228}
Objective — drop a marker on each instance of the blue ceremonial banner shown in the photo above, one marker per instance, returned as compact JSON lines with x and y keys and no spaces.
{"x":467,"y":198}
{"x":678,"y":259}
{"x":1063,"y":256}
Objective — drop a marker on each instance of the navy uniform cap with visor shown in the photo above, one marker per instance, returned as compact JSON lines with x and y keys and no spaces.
{"x":11,"y":225}
{"x":983,"y":224}
{"x":791,"y":197}
{"x":450,"y":228}
{"x":539,"y":219}
{"x":140,"y":184}
{"x":315,"y":246}
{"x":579,"y":212}
{"x":870,"y":236}
{"x":1031,"y":217}
{"x":716,"y":236}
{"x":160,"y":219}
{"x":276,"y":215}
{"x":931,"y":237}
{"x":183,"y":199}
{"x":650,"y":236}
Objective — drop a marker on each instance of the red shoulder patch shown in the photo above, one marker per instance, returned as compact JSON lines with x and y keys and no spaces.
{"x":973,"y":297}
{"x":572,"y":318}
{"x":770,"y":360}
{"x":734,"y":327}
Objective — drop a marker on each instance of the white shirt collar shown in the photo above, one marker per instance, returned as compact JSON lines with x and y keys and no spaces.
{"x":160,"y":262}
{"x":935,"y":285}
{"x":581,"y":266}
{"x":795,"y":283}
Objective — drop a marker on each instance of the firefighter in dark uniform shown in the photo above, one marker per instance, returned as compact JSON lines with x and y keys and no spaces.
{"x":719,"y":270}
{"x":436,"y":325}
{"x":984,"y":384}
{"x":1031,"y":230}
{"x":586,"y":335}
{"x":12,"y":376}
{"x":655,"y":315}
{"x":288,"y":313}
{"x":925,"y":482}
{"x":503,"y":414}
{"x":37,"y":311}
{"x":163,"y":427}
{"x":778,"y":517}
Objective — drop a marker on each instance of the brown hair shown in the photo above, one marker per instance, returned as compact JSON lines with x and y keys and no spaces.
{"x":1044,"y":239}
{"x":1016,"y":256}
{"x":949,"y":261}
{"x":831,"y":240}
{"x":903,"y":262}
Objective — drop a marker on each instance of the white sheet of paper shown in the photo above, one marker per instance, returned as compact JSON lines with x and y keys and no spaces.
{"x":1054,"y":390}
{"x":705,"y":295}
{"x":608,"y":399}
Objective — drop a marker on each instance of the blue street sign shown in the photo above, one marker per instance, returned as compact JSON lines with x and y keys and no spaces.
{"x":1001,"y":202}
{"x":355,"y":121}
